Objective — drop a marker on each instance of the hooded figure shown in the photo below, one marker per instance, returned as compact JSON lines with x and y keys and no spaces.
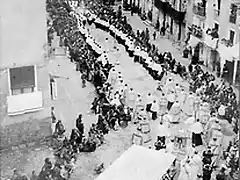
{"x":185,"y":171}
{"x":212,"y":126}
{"x":188,"y":105}
{"x":163,"y":102}
{"x":181,"y":97}
{"x":170,"y":146}
{"x":195,"y":164}
{"x":112,"y":77}
{"x":175,"y":109}
{"x":177,"y":89}
{"x":131,"y":98}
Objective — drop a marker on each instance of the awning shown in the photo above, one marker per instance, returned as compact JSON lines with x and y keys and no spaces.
{"x":211,"y":42}
{"x":138,"y":163}
{"x":229,"y":53}
{"x":193,"y":41}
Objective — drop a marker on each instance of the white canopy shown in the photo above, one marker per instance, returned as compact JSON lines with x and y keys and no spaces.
{"x":138,"y":163}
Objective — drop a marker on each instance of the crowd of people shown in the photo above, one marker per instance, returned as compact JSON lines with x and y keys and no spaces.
{"x":115,"y":102}
{"x":220,"y":97}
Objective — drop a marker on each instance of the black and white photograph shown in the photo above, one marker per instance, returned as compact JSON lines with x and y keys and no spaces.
{"x":119,"y":89}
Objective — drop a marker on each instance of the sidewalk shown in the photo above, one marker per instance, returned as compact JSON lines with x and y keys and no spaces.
{"x":165,"y":44}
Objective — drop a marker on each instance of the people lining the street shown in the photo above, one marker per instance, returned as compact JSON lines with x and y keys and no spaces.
{"x":115,"y":101}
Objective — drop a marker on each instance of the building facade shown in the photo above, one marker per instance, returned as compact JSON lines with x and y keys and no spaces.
{"x":213,"y":26}
{"x":24,"y":87}
{"x":171,"y":14}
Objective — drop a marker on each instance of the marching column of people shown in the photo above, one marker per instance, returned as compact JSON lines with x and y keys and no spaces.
{"x":220,"y":97}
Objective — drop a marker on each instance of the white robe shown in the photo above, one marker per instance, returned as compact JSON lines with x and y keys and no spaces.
{"x":139,"y":102}
{"x":175,"y":109}
{"x":190,"y":151}
{"x":178,"y":90}
{"x":170,"y":147}
{"x":196,"y":165}
{"x":131,"y":98}
{"x":181,"y":98}
{"x":150,"y":99}
{"x":155,"y":107}
{"x":112,"y":78}
{"x":163,"y":105}
{"x":196,"y":128}
{"x":116,"y":101}
{"x":185,"y":172}
{"x":188,"y":105}
{"x":162,"y":130}
{"x":221,"y":110}
{"x":171,"y":97}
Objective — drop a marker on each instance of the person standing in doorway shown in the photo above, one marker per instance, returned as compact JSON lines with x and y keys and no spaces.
{"x":53,"y":87}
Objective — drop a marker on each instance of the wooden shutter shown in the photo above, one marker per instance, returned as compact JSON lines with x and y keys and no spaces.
{"x":15,"y":78}
{"x":28,"y":76}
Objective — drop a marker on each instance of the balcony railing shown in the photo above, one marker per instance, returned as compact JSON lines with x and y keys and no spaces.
{"x":201,"y":11}
{"x":233,"y":18}
{"x":196,"y":31}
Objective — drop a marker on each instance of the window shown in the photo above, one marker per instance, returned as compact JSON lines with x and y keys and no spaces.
{"x":218,"y":5}
{"x":22,"y":80}
{"x":233,"y":14}
{"x":231,"y":36}
{"x":216,"y":26}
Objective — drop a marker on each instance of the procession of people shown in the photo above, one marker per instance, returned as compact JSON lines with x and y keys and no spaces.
{"x":117,"y":104}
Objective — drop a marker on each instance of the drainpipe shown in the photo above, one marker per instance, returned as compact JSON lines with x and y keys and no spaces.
{"x":180,"y":23}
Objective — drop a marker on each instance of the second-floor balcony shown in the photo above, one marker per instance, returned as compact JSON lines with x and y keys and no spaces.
{"x":199,"y":10}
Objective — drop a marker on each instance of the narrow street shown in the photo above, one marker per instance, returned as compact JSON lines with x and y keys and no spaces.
{"x":73,"y":100}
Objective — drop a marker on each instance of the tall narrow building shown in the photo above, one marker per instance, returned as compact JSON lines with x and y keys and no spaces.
{"x":24,"y":87}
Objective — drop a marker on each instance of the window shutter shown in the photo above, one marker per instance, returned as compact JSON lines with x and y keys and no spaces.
{"x":28,"y":76}
{"x":22,"y":77}
{"x":15,"y":78}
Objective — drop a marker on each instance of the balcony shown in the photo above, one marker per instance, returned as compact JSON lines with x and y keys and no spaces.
{"x":233,"y":18}
{"x":226,"y":42}
{"x":196,"y":31}
{"x":199,"y":10}
{"x":211,"y":38}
